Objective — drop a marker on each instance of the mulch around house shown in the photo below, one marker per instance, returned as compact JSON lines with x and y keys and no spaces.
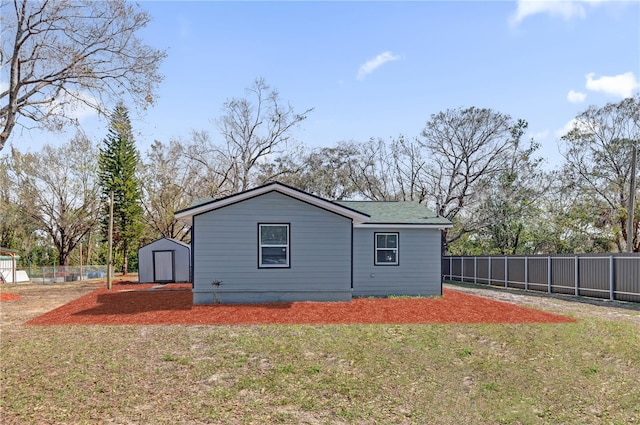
{"x":145,"y":304}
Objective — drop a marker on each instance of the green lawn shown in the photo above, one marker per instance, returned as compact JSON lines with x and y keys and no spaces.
{"x":580,"y":373}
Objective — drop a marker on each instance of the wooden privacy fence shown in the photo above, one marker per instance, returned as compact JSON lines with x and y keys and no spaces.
{"x":610,"y":276}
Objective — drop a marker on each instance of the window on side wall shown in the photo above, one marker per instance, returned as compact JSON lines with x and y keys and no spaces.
{"x":386,"y":249}
{"x":273,"y":248}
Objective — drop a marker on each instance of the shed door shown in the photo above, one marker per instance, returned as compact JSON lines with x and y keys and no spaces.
{"x":164,"y":266}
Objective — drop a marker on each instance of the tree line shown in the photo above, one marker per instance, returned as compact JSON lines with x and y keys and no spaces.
{"x":471,"y":165}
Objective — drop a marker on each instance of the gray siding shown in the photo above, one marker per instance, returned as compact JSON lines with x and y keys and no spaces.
{"x":418,"y":272}
{"x":182,"y":260}
{"x":225,"y":245}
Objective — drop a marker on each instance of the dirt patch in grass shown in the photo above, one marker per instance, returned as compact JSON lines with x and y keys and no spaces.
{"x":6,"y":296}
{"x":172,"y":304}
{"x":36,"y":298}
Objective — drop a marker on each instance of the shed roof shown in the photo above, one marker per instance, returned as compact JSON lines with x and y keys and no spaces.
{"x":183,"y":244}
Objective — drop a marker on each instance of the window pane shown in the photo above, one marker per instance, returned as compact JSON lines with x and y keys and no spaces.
{"x":273,"y":235}
{"x":275,"y":255}
{"x":386,"y":241}
{"x":392,"y":241}
{"x":386,"y":256}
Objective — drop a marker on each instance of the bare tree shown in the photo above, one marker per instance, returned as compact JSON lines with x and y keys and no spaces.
{"x":168,"y":181}
{"x":373,"y":172}
{"x":468,"y":149}
{"x":325,"y":172}
{"x":254,"y":128}
{"x":409,"y":163}
{"x":58,"y":55}
{"x":58,"y":190}
{"x":208,"y":161}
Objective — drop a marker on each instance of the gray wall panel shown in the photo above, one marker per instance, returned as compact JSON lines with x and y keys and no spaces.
{"x":226,"y":249}
{"x":418,"y":272}
{"x":182,"y":260}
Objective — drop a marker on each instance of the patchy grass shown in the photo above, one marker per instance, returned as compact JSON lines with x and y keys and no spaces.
{"x":583,"y":373}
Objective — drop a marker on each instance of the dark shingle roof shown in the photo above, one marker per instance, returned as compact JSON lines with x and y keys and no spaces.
{"x":396,"y":212}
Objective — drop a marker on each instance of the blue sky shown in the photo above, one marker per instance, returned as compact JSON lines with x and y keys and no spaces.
{"x":380,"y":69}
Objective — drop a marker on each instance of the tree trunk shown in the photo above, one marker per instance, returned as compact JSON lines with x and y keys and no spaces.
{"x":125,"y":261}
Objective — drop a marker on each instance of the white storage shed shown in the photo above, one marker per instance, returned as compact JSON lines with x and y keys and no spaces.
{"x":8,"y":271}
{"x":164,"y":261}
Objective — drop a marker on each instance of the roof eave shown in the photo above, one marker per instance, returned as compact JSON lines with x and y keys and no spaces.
{"x":439,"y":226}
{"x":186,"y":215}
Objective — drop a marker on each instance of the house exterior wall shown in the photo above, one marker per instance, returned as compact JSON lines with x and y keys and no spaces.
{"x":182,"y":260}
{"x":418,"y":272}
{"x":225,"y":249}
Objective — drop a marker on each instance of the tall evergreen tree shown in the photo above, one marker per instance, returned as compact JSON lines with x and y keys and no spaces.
{"x":118,"y":162}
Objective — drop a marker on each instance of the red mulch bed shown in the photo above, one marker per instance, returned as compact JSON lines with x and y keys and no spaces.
{"x":6,"y":296}
{"x":172,"y":304}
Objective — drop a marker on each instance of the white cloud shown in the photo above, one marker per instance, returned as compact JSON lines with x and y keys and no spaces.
{"x":540,"y":135}
{"x":566,"y":128}
{"x":375,"y":63}
{"x":576,"y":96}
{"x":76,"y":106}
{"x":622,"y":85}
{"x":566,"y":9}
{"x":574,"y":123}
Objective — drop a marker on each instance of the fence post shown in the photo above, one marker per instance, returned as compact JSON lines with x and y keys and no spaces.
{"x":576,"y":278}
{"x":462,"y":269}
{"x":450,"y":268}
{"x":475,"y":269}
{"x":489,"y":272}
{"x":526,"y":273}
{"x":611,"y":278}
{"x":506,"y":271}
{"x":549,"y":274}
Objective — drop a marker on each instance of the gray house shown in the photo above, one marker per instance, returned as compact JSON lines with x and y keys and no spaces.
{"x":277,"y":243}
{"x":163,"y":261}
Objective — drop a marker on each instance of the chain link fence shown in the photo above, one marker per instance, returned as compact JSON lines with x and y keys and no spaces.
{"x":58,"y":274}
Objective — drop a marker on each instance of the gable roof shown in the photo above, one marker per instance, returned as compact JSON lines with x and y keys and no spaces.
{"x":398,"y":214}
{"x":183,"y":244}
{"x":186,"y":215}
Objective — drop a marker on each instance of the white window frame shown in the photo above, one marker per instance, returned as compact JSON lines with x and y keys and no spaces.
{"x":377,"y":248}
{"x":261,"y":245}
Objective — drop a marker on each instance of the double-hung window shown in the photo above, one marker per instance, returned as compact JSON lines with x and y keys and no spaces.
{"x":274,"y":245}
{"x":386,"y":249}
